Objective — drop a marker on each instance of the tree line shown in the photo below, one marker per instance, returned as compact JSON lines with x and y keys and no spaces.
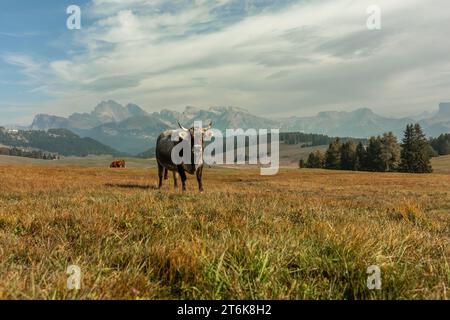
{"x":441,"y":144}
{"x":308,"y":139}
{"x":35,"y":154}
{"x":380,"y":154}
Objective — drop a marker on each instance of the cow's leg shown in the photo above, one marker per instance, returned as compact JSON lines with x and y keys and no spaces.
{"x":175,"y":180}
{"x":199,"y":174}
{"x":166,"y":174}
{"x":160,"y":175}
{"x":182,"y":174}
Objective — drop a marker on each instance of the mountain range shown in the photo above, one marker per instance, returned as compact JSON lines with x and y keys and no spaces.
{"x":132,"y":130}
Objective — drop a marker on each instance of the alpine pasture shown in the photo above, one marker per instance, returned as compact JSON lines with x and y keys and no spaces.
{"x":302,"y":234}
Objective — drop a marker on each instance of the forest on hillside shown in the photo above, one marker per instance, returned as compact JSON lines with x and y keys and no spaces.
{"x":380,"y":154}
{"x":60,"y":141}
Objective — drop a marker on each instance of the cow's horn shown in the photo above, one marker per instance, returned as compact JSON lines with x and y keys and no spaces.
{"x":182,"y":127}
{"x":210,"y":126}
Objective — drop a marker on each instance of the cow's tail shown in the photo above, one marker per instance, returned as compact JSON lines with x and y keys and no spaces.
{"x":166,"y":174}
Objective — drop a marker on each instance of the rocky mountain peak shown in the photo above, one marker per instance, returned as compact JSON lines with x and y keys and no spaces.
{"x":135,"y":110}
{"x":110,"y":111}
{"x":444,"y":110}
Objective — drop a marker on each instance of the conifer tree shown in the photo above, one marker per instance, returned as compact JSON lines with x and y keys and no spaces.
{"x":407,"y":153}
{"x":333,"y":155}
{"x":348,"y":156}
{"x":315,"y":160}
{"x":360,"y":157}
{"x":390,"y":152}
{"x":423,"y":153}
{"x":415,"y":154}
{"x":374,"y":161}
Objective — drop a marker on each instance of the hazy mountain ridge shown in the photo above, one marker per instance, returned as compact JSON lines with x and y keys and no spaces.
{"x":131,"y":129}
{"x":360,"y":123}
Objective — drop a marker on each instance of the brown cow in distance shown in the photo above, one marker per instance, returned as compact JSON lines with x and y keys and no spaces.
{"x":118,"y":164}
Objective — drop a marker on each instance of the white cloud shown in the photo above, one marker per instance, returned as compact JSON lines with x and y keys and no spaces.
{"x":27,"y":65}
{"x":306,"y":57}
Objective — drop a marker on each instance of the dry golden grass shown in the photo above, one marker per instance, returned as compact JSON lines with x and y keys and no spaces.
{"x":303,"y":234}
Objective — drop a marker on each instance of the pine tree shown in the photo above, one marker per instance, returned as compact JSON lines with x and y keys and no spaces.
{"x":415,"y":154}
{"x":315,"y":160}
{"x":333,"y":155}
{"x":374,"y":161}
{"x":310,"y":163}
{"x":407,"y":153}
{"x":423,"y":153}
{"x":301,"y":164}
{"x":348,"y":156}
{"x":360,"y":157}
{"x":390,"y":152}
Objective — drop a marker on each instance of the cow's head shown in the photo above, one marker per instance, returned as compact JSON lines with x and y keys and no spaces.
{"x":197,"y":136}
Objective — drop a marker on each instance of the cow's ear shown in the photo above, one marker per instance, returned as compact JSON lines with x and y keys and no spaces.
{"x":183,"y":134}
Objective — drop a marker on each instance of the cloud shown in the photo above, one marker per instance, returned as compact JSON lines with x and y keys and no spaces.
{"x":272,"y":57}
{"x":26,"y":64}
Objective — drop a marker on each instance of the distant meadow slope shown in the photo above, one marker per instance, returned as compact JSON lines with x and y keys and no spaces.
{"x":88,"y":162}
{"x":289,"y":156}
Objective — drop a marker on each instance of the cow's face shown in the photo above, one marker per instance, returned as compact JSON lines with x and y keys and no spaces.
{"x":197,"y":136}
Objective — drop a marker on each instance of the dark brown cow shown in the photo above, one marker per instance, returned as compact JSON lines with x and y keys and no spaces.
{"x":118,"y":164}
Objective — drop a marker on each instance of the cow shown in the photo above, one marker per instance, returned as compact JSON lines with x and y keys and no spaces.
{"x":118,"y":164}
{"x":114,"y":164}
{"x":165,"y":145}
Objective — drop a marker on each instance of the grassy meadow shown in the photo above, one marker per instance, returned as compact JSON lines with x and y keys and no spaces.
{"x":303,"y":234}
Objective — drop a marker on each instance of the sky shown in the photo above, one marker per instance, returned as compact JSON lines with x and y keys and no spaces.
{"x":275,"y":58}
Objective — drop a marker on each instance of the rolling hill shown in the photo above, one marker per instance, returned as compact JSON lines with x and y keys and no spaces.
{"x":61,"y":141}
